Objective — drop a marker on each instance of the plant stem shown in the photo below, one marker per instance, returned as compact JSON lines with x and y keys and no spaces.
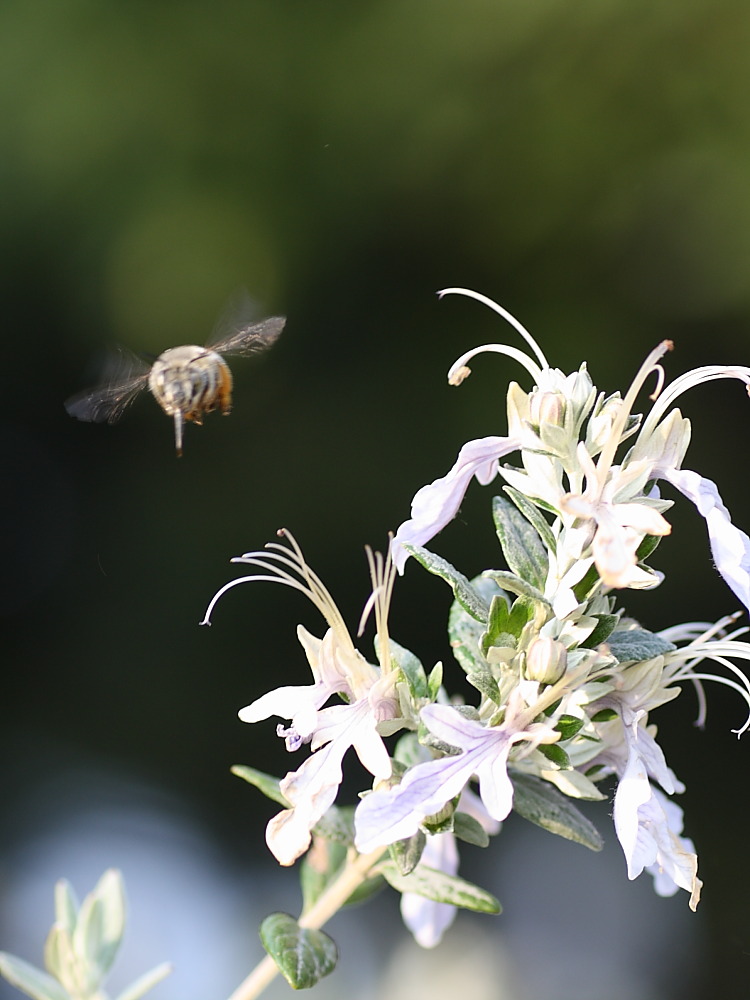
{"x":328,"y":904}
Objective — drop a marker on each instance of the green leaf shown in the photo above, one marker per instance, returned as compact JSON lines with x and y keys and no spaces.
{"x":470,"y":830}
{"x":411,"y":668}
{"x":555,"y":753}
{"x":532,"y":514}
{"x":466,"y":595}
{"x":605,"y":715}
{"x":537,"y":801}
{"x":146,"y":982}
{"x":568,"y":726}
{"x":304,"y":956}
{"x":584,"y":587}
{"x":520,"y":542}
{"x":647,"y":547}
{"x":30,"y":980}
{"x":465,"y":632}
{"x":637,"y":644}
{"x":602,"y":631}
{"x":441,"y":888}
{"x":62,"y":961}
{"x":434,"y":681}
{"x":407,"y":853}
{"x":265,"y":782}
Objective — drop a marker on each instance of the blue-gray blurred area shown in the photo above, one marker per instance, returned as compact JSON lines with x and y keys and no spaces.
{"x":586,"y":165}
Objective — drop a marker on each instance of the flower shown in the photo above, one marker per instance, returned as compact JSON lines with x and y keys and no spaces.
{"x":388,"y":815}
{"x":338,"y":668}
{"x":608,"y":519}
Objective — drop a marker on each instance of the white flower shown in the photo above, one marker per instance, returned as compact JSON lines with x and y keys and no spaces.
{"x":337,"y":668}
{"x":546,"y":425}
{"x":435,"y":505}
{"x":388,"y":815}
{"x":312,"y":788}
{"x":620,"y":524}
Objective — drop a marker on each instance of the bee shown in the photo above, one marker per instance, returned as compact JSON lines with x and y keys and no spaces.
{"x":186,"y":381}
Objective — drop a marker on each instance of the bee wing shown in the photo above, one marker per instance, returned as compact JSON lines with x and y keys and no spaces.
{"x":128,"y":375}
{"x":252,"y":338}
{"x":237,"y":333}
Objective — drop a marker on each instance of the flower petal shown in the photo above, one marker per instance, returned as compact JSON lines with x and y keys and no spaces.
{"x":426,"y":919}
{"x":730,"y":547}
{"x":435,"y":505}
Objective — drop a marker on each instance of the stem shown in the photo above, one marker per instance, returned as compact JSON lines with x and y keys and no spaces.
{"x":328,"y":904}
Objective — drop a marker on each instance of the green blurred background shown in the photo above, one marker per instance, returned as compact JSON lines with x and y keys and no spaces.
{"x":584,"y":164}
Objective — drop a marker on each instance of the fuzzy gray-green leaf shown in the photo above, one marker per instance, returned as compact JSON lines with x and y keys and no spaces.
{"x":539,"y":802}
{"x":470,"y":830}
{"x":304,"y":956}
{"x":466,"y":595}
{"x":532,"y":513}
{"x":520,"y":542}
{"x":266,"y":783}
{"x":637,"y":644}
{"x":604,"y":628}
{"x":465,"y":632}
{"x":412,"y":669}
{"x":440,"y":887}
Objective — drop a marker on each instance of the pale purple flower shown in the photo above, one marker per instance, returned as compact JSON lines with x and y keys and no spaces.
{"x":388,"y":815}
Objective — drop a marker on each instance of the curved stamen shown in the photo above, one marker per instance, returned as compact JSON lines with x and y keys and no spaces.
{"x":271,"y":561}
{"x":509,"y":317}
{"x":459,"y":369}
{"x":716,"y":650}
{"x":382,"y":576}
{"x":607,"y":455}
{"x":683,"y":382}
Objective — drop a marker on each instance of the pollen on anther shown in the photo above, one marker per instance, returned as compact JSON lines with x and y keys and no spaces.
{"x":457,"y":377}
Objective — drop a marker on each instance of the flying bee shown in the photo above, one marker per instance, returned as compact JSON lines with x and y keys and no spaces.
{"x":186,"y":382}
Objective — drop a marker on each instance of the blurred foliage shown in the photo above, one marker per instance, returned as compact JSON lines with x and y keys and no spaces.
{"x":584,"y":164}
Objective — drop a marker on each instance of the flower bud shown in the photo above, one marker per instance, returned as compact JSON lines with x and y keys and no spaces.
{"x":546,"y":408}
{"x":601,"y":423}
{"x":546,"y":660}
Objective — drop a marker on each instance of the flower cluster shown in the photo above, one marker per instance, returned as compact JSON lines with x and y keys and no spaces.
{"x":564,"y":681}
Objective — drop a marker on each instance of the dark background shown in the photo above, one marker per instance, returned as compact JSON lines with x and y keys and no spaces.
{"x":586,"y":165}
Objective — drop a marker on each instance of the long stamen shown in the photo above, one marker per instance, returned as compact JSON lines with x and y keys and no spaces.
{"x":607,"y":455}
{"x":675,"y":388}
{"x":382,"y":576}
{"x":718,"y":651}
{"x":459,"y":370}
{"x":509,"y":317}
{"x":272,"y":560}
